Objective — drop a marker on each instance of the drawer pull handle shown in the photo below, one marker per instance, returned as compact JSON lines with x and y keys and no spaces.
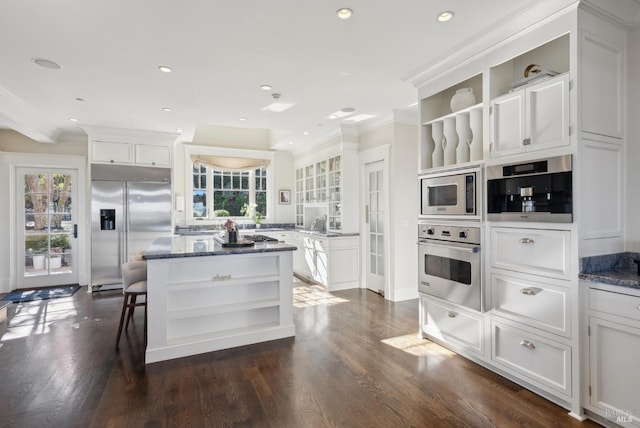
{"x":530,"y":291}
{"x":527,"y":344}
{"x":451,"y":314}
{"x":221,"y":278}
{"x":425,"y":283}
{"x":527,"y":241}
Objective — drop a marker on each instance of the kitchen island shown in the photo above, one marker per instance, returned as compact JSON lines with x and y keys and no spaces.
{"x":204,"y":297}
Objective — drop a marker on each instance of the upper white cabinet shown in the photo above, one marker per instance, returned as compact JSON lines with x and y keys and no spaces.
{"x":601,"y":101}
{"x":109,"y":152}
{"x":530,"y":100}
{"x":130,"y":147}
{"x":153,"y":155}
{"x":533,"y":118}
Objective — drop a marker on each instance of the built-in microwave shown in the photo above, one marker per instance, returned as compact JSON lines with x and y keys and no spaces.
{"x":540,"y":190}
{"x":453,"y":193}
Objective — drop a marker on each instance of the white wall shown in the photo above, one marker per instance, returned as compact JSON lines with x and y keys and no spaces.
{"x":403,"y":225}
{"x":632,"y":238}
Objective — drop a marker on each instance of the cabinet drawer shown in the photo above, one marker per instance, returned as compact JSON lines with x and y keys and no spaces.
{"x":623,"y":305}
{"x":536,"y":251}
{"x":541,"y":360}
{"x":451,"y":325}
{"x":544,"y":305}
{"x":223,"y":269}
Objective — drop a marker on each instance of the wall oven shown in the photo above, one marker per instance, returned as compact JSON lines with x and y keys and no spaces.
{"x":450,"y":263}
{"x":450,"y":194}
{"x":539,"y":190}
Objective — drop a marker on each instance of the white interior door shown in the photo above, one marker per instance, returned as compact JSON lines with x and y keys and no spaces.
{"x":46,"y":227}
{"x":374,"y":217}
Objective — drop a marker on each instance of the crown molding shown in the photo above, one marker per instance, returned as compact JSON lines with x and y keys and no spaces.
{"x":534,"y":13}
{"x":16,"y":114}
{"x":101,"y":133}
{"x":622,"y":12}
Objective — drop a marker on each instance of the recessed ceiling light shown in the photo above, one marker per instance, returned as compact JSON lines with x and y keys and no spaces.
{"x":341,"y":113}
{"x":242,"y":119}
{"x":360,"y":117}
{"x":348,"y":109}
{"x":306,"y":132}
{"x":266,"y":87}
{"x":290,"y":142}
{"x":166,"y":109}
{"x":445,"y":16}
{"x":165,"y":69}
{"x":344,"y":13}
{"x":46,"y":63}
{"x":278,"y":107}
{"x":73,"y":119}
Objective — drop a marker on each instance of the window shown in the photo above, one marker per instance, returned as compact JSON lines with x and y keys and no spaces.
{"x":229,"y":191}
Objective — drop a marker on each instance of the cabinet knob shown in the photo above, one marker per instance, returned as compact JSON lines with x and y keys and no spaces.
{"x":112,"y":161}
{"x":451,"y":314}
{"x":527,"y":344}
{"x":527,"y":241}
{"x":526,"y":141}
{"x":153,"y":163}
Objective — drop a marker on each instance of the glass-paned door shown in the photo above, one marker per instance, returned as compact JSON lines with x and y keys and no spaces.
{"x":374,"y":210}
{"x":46,"y":227}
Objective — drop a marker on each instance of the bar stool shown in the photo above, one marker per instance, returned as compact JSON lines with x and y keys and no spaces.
{"x":134,"y":284}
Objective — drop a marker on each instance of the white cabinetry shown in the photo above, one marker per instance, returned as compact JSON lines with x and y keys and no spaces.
{"x":531,"y":306}
{"x":537,"y":251}
{"x":614,"y":345}
{"x":322,"y":187}
{"x":451,"y":138}
{"x":453,"y":325}
{"x":109,"y":152}
{"x":153,"y":155}
{"x":332,"y":262}
{"x":533,"y":118}
{"x":202,"y":304}
{"x":127,"y":147}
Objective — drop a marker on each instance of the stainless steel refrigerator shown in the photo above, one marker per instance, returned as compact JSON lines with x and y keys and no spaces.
{"x":125,"y":218}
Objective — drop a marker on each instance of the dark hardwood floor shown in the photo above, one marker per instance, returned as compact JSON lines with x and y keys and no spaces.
{"x":356,"y":361}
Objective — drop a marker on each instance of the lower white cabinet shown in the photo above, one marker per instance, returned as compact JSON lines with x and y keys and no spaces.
{"x":543,"y":362}
{"x":540,"y":303}
{"x":331,"y":261}
{"x":614,"y":347}
{"x":454,"y":326}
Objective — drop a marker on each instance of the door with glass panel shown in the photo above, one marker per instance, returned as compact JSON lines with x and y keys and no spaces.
{"x":46,"y":225}
{"x":374,"y":213}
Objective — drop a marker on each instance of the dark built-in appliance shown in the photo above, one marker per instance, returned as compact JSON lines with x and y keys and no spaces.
{"x":539,"y":190}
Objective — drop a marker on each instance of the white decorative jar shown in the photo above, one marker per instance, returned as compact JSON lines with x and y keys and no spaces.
{"x":462,"y":99}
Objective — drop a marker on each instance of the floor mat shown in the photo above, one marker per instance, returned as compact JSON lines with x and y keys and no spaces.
{"x":19,"y":296}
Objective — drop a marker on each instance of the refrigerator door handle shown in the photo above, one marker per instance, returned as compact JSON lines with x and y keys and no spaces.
{"x":75,"y":230}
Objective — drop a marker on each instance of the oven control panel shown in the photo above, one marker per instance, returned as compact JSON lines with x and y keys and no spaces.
{"x":452,"y":233}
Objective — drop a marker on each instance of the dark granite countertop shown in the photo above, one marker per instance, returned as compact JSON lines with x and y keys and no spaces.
{"x":173,"y":247}
{"x":622,"y":277}
{"x":614,"y":269}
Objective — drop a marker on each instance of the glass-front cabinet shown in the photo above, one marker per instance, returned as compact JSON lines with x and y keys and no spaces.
{"x":335,"y":194}
{"x":300,"y":197}
{"x":319,"y":188}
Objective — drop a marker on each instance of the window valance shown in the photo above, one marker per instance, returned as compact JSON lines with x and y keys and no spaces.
{"x":226,"y":163}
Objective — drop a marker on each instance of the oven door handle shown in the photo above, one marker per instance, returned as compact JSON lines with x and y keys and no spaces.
{"x":474,"y":249}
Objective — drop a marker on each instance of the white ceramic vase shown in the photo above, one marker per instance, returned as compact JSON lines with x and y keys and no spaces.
{"x":462,"y":99}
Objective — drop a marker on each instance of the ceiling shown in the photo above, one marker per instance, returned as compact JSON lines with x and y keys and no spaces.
{"x":221,"y":52}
